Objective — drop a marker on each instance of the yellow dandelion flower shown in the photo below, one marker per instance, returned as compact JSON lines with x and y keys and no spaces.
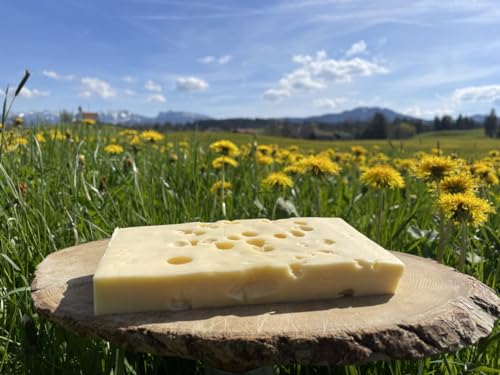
{"x":20,"y":141}
{"x":172,"y":157}
{"x":113,"y":149}
{"x":358,"y":151}
{"x":294,"y":169}
{"x":184,"y":145}
{"x":222,"y":161}
{"x":434,"y":168}
{"x":217,"y":187}
{"x":485,"y":172}
{"x":380,"y":158}
{"x":295,"y":157}
{"x":225,"y":147}
{"x":151,"y":136}
{"x":128,"y":133}
{"x":293,"y":148}
{"x":342,"y":157}
{"x":40,"y":137}
{"x":465,"y":207}
{"x":458,"y":183}
{"x":57,"y":135}
{"x":277,"y":180}
{"x":135,"y":141}
{"x":264,"y":159}
{"x":436,"y":151}
{"x":494,"y":153}
{"x":405,"y":165}
{"x":319,"y":166}
{"x":265,"y":149}
{"x":88,"y":122}
{"x":245,"y":150}
{"x":382,"y":176}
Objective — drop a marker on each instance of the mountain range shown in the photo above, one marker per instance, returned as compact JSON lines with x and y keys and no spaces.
{"x":127,"y":118}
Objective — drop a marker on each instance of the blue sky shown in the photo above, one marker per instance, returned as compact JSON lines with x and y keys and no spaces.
{"x":253,"y":58}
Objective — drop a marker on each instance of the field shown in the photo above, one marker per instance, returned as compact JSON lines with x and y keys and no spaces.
{"x":70,"y":184}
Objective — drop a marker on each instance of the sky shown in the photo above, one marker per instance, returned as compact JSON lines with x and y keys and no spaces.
{"x":231,"y":58}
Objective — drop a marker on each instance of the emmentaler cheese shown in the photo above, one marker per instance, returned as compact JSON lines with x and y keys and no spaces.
{"x":194,"y":265}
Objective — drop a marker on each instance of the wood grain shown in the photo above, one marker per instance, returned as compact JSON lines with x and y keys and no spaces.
{"x":436,"y":309}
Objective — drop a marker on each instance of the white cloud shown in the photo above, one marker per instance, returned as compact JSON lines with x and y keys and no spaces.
{"x":328,"y":103}
{"x":190,"y":84}
{"x":418,"y":111}
{"x":300,"y":79}
{"x":152,"y":86}
{"x":316,"y":72}
{"x":276,"y":94}
{"x":32,"y":93}
{"x":156,"y":98}
{"x":128,"y":79}
{"x":224,"y":59}
{"x":54,"y":75}
{"x":357,"y":48}
{"x":95,"y":86}
{"x":207,"y":60}
{"x":487,"y":93}
{"x":129,"y":92}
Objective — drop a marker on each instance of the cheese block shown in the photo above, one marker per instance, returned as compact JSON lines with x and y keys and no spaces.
{"x":194,"y":265}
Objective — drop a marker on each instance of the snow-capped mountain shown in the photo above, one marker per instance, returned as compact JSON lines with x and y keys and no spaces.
{"x":122,"y":117}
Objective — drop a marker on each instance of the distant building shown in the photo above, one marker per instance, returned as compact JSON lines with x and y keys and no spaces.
{"x":82,"y":116}
{"x":88,"y":116}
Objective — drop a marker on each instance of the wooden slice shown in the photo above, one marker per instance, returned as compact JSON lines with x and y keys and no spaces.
{"x":436,"y":309}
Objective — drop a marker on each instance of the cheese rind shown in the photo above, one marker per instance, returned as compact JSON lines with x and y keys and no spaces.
{"x":193,"y":265}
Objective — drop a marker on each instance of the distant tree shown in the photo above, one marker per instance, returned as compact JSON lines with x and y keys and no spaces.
{"x":404,"y":130}
{"x":490,"y":124}
{"x":65,"y":117}
{"x":447,"y":122}
{"x":377,"y":127}
{"x":437,"y":123}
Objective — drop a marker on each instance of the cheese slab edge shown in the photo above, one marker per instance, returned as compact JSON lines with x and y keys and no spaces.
{"x":251,"y":261}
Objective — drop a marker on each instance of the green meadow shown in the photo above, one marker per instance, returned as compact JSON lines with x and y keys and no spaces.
{"x":61,"y":186}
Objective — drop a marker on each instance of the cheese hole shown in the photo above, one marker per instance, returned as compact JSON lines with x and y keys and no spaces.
{"x":199,"y":232}
{"x":259,"y":242}
{"x":249,"y":233}
{"x":268,"y":247}
{"x":179,"y":260}
{"x":194,"y":242}
{"x":306,"y":228}
{"x":347,"y":293}
{"x":300,"y":222}
{"x":224,"y":245}
{"x":280,"y":235}
{"x":295,"y":270}
{"x":186,"y":231}
{"x":234,"y":237}
{"x":297,"y":233}
{"x":299,"y":257}
{"x":328,"y":241}
{"x":181,"y":243}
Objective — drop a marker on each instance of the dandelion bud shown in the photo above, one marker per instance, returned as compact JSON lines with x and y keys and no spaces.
{"x":23,"y":82}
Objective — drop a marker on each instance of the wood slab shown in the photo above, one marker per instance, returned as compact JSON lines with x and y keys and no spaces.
{"x":435,"y":310}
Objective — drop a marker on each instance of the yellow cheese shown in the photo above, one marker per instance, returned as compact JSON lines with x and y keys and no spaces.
{"x":193,"y":265}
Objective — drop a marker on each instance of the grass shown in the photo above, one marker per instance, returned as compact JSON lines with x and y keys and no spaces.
{"x":65,"y":190}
